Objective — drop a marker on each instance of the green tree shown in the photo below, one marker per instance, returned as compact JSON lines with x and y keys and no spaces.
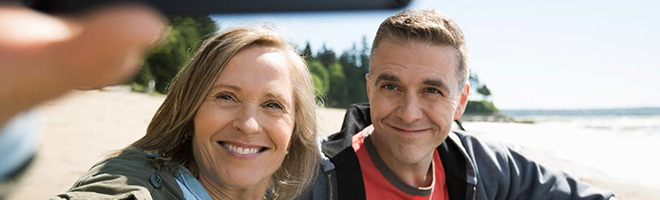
{"x":338,"y":93}
{"x":484,"y":91}
{"x":185,"y":35}
{"x":346,"y":82}
{"x":321,"y":76}
{"x":474,"y":83}
{"x":474,"y":80}
{"x":355,"y":74}
{"x":480,"y":108}
{"x":364,"y":56}
{"x":307,"y":52}
{"x":326,"y":56}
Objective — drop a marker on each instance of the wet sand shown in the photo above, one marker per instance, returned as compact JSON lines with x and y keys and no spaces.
{"x":83,"y":127}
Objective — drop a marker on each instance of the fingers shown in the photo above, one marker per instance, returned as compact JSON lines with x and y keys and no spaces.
{"x":24,"y":28}
{"x":43,"y":56}
{"x":109,"y":46}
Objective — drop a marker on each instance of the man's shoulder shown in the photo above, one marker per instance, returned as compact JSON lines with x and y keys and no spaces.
{"x":357,"y":117}
{"x":478,"y":150}
{"x":470,"y":142}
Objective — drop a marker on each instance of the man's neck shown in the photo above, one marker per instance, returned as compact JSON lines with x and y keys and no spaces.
{"x":418,"y":174}
{"x":218,"y":191}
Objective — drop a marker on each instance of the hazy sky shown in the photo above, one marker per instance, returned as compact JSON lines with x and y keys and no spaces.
{"x":543,"y":55}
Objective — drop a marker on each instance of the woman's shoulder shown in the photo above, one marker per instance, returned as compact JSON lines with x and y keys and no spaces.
{"x":131,"y":158}
{"x":133,"y":173}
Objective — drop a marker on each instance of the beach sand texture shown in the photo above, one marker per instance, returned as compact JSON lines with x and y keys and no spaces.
{"x":83,"y":127}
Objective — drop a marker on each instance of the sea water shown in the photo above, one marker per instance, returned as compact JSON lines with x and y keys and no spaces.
{"x":623,"y":143}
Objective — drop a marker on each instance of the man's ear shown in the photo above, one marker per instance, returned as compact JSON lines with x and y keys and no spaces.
{"x":368,"y":88}
{"x":462,"y":103}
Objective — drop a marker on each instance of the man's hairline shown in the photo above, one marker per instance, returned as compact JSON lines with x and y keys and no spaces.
{"x":407,"y":42}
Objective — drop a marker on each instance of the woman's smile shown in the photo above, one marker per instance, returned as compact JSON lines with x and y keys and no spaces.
{"x":242,"y":150}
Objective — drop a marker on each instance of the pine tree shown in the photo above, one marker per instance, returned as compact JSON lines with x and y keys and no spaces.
{"x":185,"y":35}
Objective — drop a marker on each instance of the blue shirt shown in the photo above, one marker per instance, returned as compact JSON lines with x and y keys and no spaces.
{"x":191,"y":187}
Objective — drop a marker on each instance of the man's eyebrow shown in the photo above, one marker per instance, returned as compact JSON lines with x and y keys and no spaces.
{"x":437,"y":83}
{"x":387,"y":77}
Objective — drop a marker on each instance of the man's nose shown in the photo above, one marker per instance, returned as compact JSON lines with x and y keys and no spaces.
{"x":410,"y":109}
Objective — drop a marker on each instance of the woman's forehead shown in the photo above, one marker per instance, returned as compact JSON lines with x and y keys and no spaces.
{"x":258,"y":69}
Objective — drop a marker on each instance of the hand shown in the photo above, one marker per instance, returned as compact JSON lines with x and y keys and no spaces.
{"x":44,"y":56}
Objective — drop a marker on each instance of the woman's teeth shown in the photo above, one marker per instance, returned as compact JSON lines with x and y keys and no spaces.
{"x":240,"y":150}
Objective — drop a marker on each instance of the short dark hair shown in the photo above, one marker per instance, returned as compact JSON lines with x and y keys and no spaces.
{"x":427,"y":26}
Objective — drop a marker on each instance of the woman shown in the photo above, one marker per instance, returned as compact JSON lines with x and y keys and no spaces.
{"x":238,"y":122}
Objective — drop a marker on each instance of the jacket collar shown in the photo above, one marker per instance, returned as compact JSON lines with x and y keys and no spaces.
{"x":471,"y":175}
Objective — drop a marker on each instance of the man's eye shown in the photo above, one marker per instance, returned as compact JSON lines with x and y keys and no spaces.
{"x":389,"y":86}
{"x":433,"y":91}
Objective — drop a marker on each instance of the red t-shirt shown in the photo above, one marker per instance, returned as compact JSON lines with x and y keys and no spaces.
{"x":381,"y":183}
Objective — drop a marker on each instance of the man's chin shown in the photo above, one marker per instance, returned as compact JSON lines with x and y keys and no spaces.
{"x":413,"y":156}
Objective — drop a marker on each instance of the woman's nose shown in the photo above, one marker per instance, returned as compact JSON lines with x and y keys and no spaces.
{"x":247,"y":121}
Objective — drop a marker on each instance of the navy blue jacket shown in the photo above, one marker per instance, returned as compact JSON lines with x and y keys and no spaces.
{"x":474,"y":169}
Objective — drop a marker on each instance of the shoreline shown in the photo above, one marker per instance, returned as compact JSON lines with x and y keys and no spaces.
{"x":493,"y":118}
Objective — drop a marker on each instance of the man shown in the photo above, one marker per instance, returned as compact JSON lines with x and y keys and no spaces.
{"x":400,"y":146}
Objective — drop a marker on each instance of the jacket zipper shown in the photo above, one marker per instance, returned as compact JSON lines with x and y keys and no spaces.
{"x":330,"y":186}
{"x":474,"y":192}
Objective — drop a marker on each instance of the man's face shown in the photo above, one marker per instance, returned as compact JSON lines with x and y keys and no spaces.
{"x":414,"y":95}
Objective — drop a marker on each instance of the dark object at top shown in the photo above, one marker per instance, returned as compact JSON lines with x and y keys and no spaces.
{"x":205,"y":7}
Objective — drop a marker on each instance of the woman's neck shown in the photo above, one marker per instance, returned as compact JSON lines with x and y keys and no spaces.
{"x":224,"y":191}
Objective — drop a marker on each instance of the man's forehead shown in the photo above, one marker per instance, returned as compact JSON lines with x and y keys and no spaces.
{"x":415,"y":63}
{"x":415,"y":52}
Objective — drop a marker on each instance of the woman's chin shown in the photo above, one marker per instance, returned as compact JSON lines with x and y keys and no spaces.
{"x":245,"y":180}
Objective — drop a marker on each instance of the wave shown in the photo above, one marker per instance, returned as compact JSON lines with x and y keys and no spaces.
{"x":650,"y":111}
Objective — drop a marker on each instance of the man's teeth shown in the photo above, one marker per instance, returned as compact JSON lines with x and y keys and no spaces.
{"x":240,"y":150}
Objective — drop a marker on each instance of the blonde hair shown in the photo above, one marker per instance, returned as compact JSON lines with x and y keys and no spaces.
{"x":426,"y":26}
{"x":167,"y":131}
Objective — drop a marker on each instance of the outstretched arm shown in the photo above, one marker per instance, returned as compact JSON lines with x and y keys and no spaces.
{"x":506,"y":174}
{"x":43,"y":56}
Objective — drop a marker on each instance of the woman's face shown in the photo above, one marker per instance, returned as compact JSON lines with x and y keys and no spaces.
{"x":244,"y":125}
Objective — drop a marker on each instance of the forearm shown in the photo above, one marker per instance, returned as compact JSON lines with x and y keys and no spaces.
{"x":533,"y":180}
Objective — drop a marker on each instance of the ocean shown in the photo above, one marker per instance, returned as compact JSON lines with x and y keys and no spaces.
{"x":621,"y":121}
{"x":622,"y":143}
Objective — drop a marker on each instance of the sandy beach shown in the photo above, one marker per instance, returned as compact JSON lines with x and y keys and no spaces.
{"x":83,"y":127}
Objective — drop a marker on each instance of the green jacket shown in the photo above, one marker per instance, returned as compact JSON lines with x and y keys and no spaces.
{"x":132,"y":175}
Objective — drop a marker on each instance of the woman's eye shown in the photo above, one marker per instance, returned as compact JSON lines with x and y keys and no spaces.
{"x":389,"y":86}
{"x":225,"y":97}
{"x":274,"y":105}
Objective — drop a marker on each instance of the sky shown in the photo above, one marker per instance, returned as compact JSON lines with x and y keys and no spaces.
{"x":531,"y":55}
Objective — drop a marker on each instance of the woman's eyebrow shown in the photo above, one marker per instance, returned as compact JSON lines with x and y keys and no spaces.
{"x":278,"y":96}
{"x":232,"y":87}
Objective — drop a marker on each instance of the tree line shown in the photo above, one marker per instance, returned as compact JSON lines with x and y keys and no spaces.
{"x":339,"y":81}
{"x":185,"y":36}
{"x":339,"y":78}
